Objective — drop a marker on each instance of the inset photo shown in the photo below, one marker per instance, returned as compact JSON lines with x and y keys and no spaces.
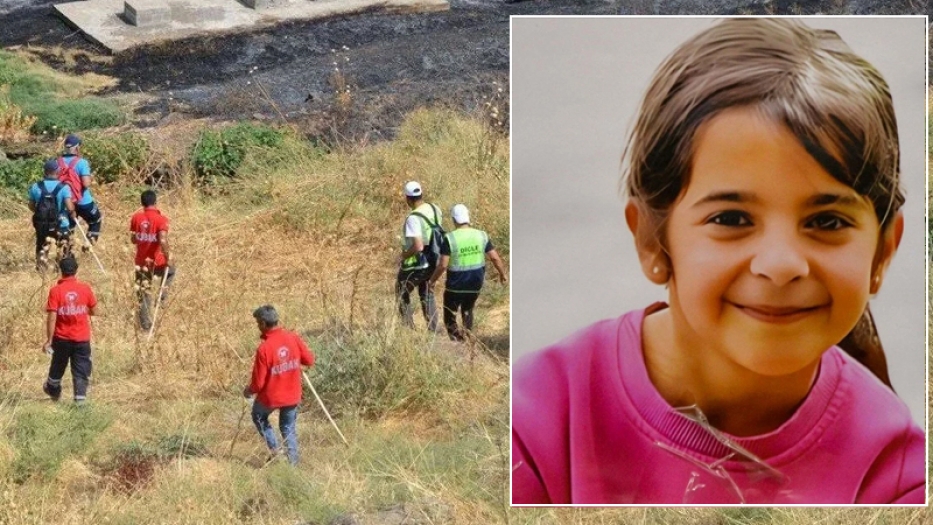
{"x":720,"y":279}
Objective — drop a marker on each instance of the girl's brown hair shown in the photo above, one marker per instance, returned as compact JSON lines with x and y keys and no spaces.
{"x":835,"y":103}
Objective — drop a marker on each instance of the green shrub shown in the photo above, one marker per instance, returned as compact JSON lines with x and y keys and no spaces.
{"x":373,"y":373}
{"x":66,"y":116}
{"x":45,"y":436}
{"x":217,"y":154}
{"x":50,"y":97}
{"x":165,"y":448}
{"x":10,"y":68}
{"x":17,"y":176}
{"x":299,"y":492}
{"x":113,"y":157}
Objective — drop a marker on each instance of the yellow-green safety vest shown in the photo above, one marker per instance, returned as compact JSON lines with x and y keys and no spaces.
{"x":467,"y":249}
{"x":417,"y":261}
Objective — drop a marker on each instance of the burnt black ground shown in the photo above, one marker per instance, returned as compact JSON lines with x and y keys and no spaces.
{"x":396,"y":62}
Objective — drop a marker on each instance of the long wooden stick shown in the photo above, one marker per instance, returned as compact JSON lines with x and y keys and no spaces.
{"x":90,"y":246}
{"x":158,"y":302}
{"x":239,"y":426}
{"x":308,"y":382}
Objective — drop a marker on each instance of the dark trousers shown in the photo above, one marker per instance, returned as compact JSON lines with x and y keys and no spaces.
{"x":61,"y":240}
{"x":79,"y":355}
{"x":407,"y":281}
{"x":92,"y":216}
{"x":146,"y":283}
{"x":463,"y":301}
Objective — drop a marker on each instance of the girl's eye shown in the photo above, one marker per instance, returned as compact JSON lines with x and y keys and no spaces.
{"x":731,"y":218}
{"x":828,"y":223}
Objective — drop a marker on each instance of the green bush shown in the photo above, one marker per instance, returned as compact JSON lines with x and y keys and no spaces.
{"x":17,"y":176}
{"x":66,"y":116}
{"x":40,"y":95}
{"x":165,"y":448}
{"x":45,"y":436}
{"x":10,"y":68}
{"x":217,"y":154}
{"x":373,"y":373}
{"x":299,"y":492}
{"x":112,"y":157}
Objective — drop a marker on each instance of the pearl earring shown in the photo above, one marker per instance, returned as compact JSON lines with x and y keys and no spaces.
{"x":655,"y":270}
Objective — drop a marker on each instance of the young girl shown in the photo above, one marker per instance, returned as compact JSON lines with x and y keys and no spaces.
{"x":762,"y":176}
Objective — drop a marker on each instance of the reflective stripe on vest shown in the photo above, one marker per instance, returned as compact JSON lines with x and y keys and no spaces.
{"x":417,"y":261}
{"x":467,"y":249}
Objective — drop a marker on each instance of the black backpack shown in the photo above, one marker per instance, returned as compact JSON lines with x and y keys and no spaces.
{"x":432,"y":249}
{"x":46,"y":216}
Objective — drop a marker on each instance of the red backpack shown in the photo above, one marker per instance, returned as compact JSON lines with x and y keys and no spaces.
{"x":68,"y":175}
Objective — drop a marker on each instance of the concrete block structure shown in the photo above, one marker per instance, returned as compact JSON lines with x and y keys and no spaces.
{"x":120,"y":25}
{"x":262,"y":4}
{"x":147,"y":13}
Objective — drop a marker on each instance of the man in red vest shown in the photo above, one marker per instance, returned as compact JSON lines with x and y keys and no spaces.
{"x":149,"y":232}
{"x":68,"y":328}
{"x":276,"y":381}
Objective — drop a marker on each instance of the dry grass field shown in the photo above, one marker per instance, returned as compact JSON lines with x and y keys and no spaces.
{"x":166,"y":437}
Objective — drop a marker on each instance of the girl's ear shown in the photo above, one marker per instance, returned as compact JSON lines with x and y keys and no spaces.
{"x":888,"y":242}
{"x":654,"y":261}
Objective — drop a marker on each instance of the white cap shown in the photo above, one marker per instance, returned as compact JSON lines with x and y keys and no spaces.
{"x":460,"y":213}
{"x":412,"y":189}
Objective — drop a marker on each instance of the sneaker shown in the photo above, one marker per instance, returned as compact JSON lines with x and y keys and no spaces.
{"x":48,"y":391}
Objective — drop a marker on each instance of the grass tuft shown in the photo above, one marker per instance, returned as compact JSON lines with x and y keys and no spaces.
{"x":44,"y":436}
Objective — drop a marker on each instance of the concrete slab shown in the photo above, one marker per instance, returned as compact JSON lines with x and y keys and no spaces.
{"x":105,"y":22}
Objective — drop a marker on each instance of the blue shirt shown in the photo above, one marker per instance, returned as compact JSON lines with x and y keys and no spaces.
{"x":467,"y":281}
{"x":65,"y":193}
{"x":83,"y":169}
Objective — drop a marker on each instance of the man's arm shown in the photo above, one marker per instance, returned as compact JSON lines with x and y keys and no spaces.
{"x":92,"y":303}
{"x":417,"y":246}
{"x":439,"y":271}
{"x":305,"y":353}
{"x":83,"y":169}
{"x":49,"y":327}
{"x":70,"y":206}
{"x":413,"y":232}
{"x":493,"y":256}
{"x":258,"y":379}
{"x":163,"y":242}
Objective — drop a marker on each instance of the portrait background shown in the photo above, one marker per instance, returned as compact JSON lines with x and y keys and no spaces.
{"x":576,"y":84}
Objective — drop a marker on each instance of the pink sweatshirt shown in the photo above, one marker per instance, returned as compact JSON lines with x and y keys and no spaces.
{"x":588,"y":427}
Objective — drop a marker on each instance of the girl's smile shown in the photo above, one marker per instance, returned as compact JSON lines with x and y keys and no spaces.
{"x":777,"y":314}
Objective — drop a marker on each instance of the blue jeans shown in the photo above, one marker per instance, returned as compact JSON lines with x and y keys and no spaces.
{"x":287,"y":417}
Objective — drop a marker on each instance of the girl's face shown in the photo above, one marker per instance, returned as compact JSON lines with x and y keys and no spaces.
{"x":772,"y":257}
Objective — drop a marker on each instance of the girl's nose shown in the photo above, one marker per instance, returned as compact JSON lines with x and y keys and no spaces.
{"x":780,"y":259}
